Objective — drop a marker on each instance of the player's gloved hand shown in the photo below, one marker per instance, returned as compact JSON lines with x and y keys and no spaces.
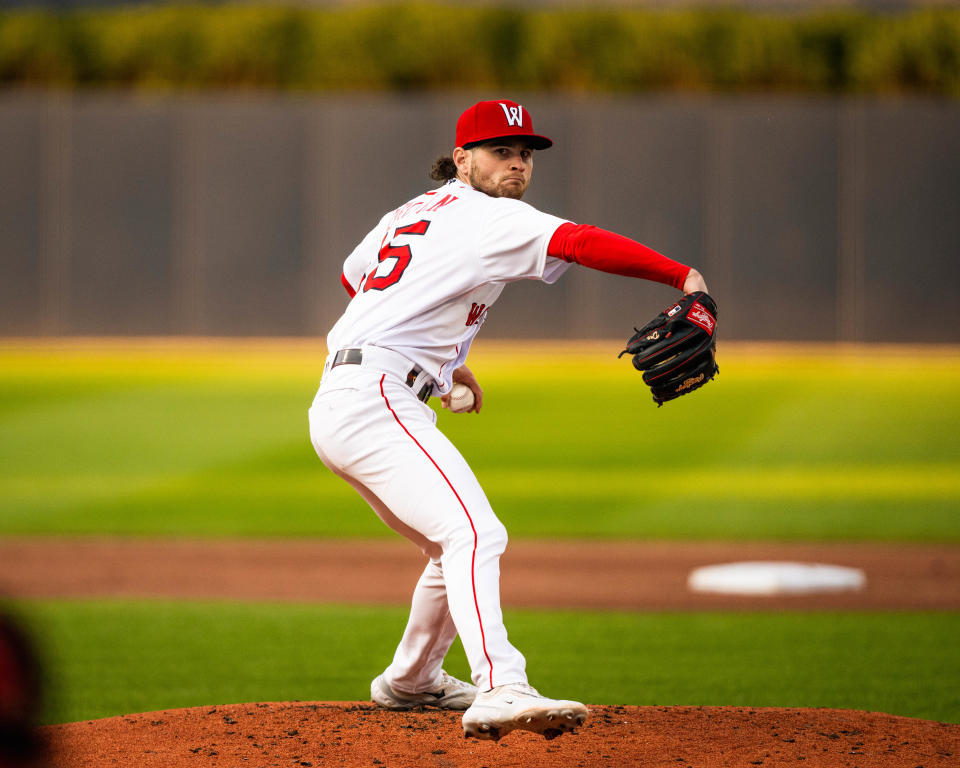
{"x":677,"y":349}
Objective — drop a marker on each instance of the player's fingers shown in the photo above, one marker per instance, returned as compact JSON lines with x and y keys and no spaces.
{"x":477,"y":398}
{"x":444,"y":401}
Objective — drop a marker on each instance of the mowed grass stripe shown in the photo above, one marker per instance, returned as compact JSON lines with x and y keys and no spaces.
{"x":894,"y":482}
{"x":211,"y":438}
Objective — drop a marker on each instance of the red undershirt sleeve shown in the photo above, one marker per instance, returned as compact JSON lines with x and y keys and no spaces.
{"x":346,"y":284}
{"x":607,"y":251}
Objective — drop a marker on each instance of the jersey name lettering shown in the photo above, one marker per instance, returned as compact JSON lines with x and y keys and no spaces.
{"x":417,"y":206}
{"x":445,"y":200}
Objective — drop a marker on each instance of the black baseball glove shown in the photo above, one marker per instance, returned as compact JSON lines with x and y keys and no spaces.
{"x":677,"y":349}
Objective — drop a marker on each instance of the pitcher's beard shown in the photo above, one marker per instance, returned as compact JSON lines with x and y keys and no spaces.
{"x":513,"y":191}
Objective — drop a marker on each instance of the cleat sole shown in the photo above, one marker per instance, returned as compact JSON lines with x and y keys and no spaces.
{"x":482,"y":732}
{"x":550,"y":719}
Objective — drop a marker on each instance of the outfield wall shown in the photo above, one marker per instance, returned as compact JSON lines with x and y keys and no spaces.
{"x":812,"y":218}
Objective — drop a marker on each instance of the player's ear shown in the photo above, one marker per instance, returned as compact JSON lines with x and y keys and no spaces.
{"x":461,"y":158}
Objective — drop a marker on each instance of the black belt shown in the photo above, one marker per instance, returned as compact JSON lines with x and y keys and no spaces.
{"x":355,"y":357}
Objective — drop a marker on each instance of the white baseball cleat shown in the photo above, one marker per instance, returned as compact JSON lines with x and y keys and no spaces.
{"x":448,"y":693}
{"x":517,"y":706}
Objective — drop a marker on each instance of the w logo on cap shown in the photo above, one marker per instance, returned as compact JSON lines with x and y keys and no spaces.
{"x":514,"y":115}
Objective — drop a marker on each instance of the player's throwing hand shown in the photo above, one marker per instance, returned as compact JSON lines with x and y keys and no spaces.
{"x":465,"y":396}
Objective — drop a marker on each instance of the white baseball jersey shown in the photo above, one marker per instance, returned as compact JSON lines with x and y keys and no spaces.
{"x":426,"y":275}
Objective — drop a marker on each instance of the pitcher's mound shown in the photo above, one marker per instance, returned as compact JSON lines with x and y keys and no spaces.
{"x":356,"y":734}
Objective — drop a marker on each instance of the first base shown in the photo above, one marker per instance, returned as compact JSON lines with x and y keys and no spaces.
{"x":775,"y":578}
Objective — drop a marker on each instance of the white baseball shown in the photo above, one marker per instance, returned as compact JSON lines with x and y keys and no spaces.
{"x":461,"y":398}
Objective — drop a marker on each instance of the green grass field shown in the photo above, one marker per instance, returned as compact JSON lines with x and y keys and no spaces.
{"x":210,"y":439}
{"x":113,"y":657}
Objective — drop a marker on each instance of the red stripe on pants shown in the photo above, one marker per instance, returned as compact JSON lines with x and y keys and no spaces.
{"x":473,"y":556}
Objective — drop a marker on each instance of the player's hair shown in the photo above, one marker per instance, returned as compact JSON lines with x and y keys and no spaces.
{"x":443,"y":169}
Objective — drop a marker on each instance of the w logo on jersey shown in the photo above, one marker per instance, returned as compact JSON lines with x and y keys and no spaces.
{"x":514,"y":115}
{"x":476,"y":314}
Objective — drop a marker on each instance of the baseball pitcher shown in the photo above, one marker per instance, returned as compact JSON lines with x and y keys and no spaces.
{"x":421,"y":284}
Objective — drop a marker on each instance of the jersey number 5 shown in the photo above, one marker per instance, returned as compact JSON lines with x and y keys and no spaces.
{"x":401,"y":254}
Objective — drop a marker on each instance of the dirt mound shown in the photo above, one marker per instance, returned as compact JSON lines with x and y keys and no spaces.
{"x":357,"y":734}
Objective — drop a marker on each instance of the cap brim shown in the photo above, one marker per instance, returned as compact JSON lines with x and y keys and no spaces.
{"x":535,"y":140}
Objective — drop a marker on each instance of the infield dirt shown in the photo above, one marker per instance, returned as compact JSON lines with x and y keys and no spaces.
{"x":557,"y":574}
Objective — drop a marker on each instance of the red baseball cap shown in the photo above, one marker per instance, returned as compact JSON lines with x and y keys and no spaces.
{"x":495,"y":120}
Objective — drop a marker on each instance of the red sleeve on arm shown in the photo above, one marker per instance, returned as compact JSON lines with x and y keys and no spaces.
{"x":606,"y":251}
{"x":346,"y":284}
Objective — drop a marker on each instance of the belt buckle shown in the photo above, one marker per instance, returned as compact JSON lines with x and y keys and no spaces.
{"x":347,"y":357}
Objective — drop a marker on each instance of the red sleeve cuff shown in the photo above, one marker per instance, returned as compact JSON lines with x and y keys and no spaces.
{"x":606,"y":251}
{"x":346,"y":284}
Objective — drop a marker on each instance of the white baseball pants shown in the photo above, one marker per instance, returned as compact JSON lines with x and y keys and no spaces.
{"x":369,"y":428}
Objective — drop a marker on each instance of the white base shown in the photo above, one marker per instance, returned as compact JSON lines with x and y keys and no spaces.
{"x":775,"y":578}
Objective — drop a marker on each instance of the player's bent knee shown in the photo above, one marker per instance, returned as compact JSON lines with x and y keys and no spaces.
{"x":492,"y":537}
{"x":487,"y":537}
